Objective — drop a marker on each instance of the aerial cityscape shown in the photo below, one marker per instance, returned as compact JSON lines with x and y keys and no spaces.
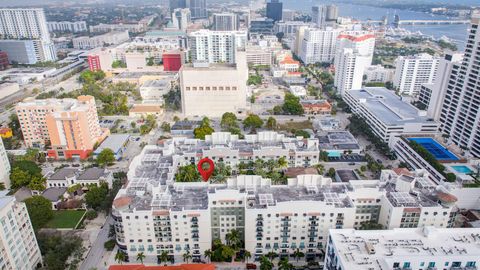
{"x":239,"y":135}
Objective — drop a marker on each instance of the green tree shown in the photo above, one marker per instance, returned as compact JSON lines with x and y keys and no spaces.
{"x":229,"y":120}
{"x":140,"y":257}
{"x":252,"y":122}
{"x":271,"y":123}
{"x":105,"y":157}
{"x":291,"y":105}
{"x":96,"y":195}
{"x":40,"y":211}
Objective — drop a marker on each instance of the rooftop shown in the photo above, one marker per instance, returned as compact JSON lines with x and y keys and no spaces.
{"x":388,"y":107}
{"x":385,"y":247}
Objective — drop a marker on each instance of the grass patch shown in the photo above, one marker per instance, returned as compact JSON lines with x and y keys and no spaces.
{"x":288,"y":126}
{"x":65,"y":219}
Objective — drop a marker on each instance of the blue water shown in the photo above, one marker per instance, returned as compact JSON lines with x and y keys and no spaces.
{"x":457,"y":33}
{"x":462,"y":169}
{"x":436,"y":149}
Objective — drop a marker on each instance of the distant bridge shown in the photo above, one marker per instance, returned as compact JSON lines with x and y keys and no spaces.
{"x":430,"y":22}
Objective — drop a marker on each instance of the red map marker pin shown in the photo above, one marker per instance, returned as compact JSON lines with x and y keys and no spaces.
{"x":205,"y":173}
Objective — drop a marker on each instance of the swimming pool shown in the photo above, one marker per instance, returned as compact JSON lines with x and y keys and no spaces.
{"x":462,"y":169}
{"x":436,"y":149}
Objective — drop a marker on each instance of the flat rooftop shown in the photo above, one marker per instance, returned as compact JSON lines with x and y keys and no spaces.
{"x":404,"y":245}
{"x":388,"y":107}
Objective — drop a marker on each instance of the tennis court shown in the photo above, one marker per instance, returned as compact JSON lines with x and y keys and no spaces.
{"x":436,"y":149}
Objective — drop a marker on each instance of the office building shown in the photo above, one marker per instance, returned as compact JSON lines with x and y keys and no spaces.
{"x":181,"y":18}
{"x":225,"y":22}
{"x":110,"y":38}
{"x":27,"y":25}
{"x":262,"y":26}
{"x":387,"y":114}
{"x":4,"y":166}
{"x":216,"y":46}
{"x":433,"y":95}
{"x":213,"y":89}
{"x":65,"y":26}
{"x":378,"y":73}
{"x":459,"y":115}
{"x":70,"y":125}
{"x":18,"y":244}
{"x":198,"y":8}
{"x":274,"y":10}
{"x":403,"y":248}
{"x":413,"y":71}
{"x":354,"y":53}
{"x":318,"y":45}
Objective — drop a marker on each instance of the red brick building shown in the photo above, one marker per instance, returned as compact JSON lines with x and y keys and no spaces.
{"x":3,"y":60}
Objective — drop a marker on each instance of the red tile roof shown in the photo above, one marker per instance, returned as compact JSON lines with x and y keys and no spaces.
{"x":173,"y":267}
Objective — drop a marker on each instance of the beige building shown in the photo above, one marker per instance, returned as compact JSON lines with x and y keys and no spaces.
{"x":213,"y":89}
{"x":18,"y":245}
{"x":71,"y":126}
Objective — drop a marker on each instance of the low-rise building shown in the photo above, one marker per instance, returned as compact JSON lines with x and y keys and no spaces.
{"x":387,"y":114}
{"x":403,"y":248}
{"x":316,"y":107}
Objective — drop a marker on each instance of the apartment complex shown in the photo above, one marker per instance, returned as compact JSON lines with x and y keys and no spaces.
{"x":70,"y":125}
{"x":26,"y":28}
{"x":18,"y":244}
{"x":216,"y":46}
{"x":65,"y":26}
{"x":4,"y":166}
{"x":354,"y":53}
{"x":213,"y":89}
{"x":387,"y":114}
{"x":181,"y":18}
{"x":413,"y":71}
{"x":154,"y":214}
{"x":459,"y":114}
{"x":225,"y":22}
{"x":111,"y":38}
{"x":318,"y":45}
{"x":405,"y":248}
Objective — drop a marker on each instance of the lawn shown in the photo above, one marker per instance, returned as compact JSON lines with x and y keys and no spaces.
{"x":65,"y":219}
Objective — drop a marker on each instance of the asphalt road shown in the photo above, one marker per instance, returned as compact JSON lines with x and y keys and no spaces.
{"x":97,"y":251}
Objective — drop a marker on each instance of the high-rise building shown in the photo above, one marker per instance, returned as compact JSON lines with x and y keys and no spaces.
{"x":225,"y":22}
{"x":27,"y":25}
{"x":4,"y":166}
{"x":274,"y":10}
{"x":413,"y":71}
{"x":318,"y":45}
{"x":181,"y":18}
{"x":216,"y":46}
{"x":198,"y":8}
{"x":354,"y":53}
{"x":460,"y":115}
{"x":70,"y":125}
{"x":213,"y":89}
{"x":18,"y":244}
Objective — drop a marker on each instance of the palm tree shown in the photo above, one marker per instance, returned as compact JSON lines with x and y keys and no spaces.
{"x":283,"y":264}
{"x":208,"y":254}
{"x":163,"y":257}
{"x":120,"y":257}
{"x":271,"y":255}
{"x":187,"y":256}
{"x":297,"y":254}
{"x":247,"y":255}
{"x":140,"y":257}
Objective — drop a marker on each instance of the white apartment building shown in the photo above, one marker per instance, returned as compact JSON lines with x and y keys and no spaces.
{"x":387,"y":114}
{"x":433,"y":95}
{"x":154,"y":214}
{"x":318,"y":45}
{"x":181,"y":18}
{"x":27,"y":24}
{"x":213,"y":89}
{"x":257,"y":55}
{"x":406,"y":248}
{"x":65,"y":26}
{"x":216,"y":46}
{"x":378,"y":73}
{"x":225,"y":22}
{"x":413,"y":71}
{"x":18,"y":244}
{"x":4,"y":167}
{"x":111,"y":38}
{"x":354,"y":53}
